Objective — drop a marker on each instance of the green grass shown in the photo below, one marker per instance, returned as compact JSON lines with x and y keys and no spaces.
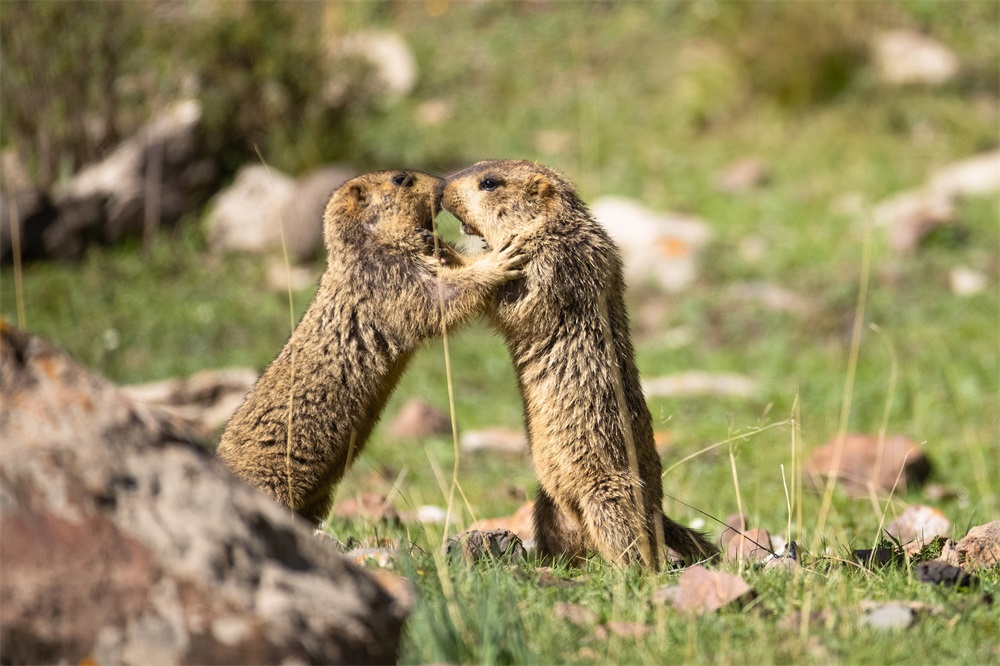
{"x":653,"y":100}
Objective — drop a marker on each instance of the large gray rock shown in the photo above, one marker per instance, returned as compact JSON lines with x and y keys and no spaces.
{"x":303,"y":210}
{"x":905,"y":57}
{"x":126,"y":542}
{"x":247,"y":215}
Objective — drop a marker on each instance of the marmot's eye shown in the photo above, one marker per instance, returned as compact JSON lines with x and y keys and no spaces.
{"x":488,"y":184}
{"x":403,"y":179}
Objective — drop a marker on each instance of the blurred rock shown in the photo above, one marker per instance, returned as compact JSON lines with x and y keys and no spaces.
{"x":207,"y":399}
{"x":372,"y":507}
{"x":659,"y":247}
{"x":917,"y":526}
{"x":576,"y":614}
{"x":937,"y":572}
{"x":700,"y":383}
{"x":865,"y":466}
{"x":302,"y":211}
{"x":521,"y":523}
{"x":433,"y":112}
{"x":495,"y":440}
{"x":281,"y":277}
{"x":938,"y":492}
{"x":966,"y":282}
{"x":742,"y":176}
{"x":911,"y":216}
{"x":485,"y":546}
{"x":434,"y":515}
{"x":888,"y":616}
{"x":700,"y":590}
{"x":978,"y":175}
{"x":248,"y":215}
{"x":394,"y":69}
{"x":772,"y":297}
{"x":979,"y":549}
{"x":735,"y":524}
{"x":419,"y":419}
{"x":752,"y":546}
{"x":125,"y":542}
{"x":906,"y":57}
{"x":150,"y":179}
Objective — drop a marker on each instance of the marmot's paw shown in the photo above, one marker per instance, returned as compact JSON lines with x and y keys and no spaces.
{"x":511,"y":259}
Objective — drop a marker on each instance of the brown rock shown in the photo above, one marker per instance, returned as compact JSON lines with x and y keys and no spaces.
{"x":495,"y":440}
{"x":575,"y":613}
{"x":735,"y":524}
{"x":486,"y":545}
{"x":918,"y":525}
{"x":521,"y":523}
{"x":418,"y":419}
{"x":979,"y":549}
{"x":742,"y":176}
{"x":367,"y":506}
{"x":127,"y":542}
{"x":752,"y":546}
{"x":701,"y":590}
{"x":864,"y":464}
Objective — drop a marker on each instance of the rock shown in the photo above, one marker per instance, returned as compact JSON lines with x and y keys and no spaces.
{"x":888,"y":616}
{"x":207,"y":399}
{"x":126,"y":542}
{"x":247,"y":215}
{"x":742,"y":176}
{"x":495,"y":440}
{"x":433,"y":515}
{"x":659,"y":247}
{"x":302,"y":211}
{"x":937,"y":572}
{"x":281,"y":277}
{"x":372,"y":507}
{"x":978,"y":175}
{"x":879,"y":558}
{"x":735,"y":524}
{"x":787,"y":560}
{"x":772,"y":297}
{"x":576,"y":614}
{"x":701,"y":590}
{"x":150,"y":179}
{"x":938,"y":492}
{"x":905,"y":57}
{"x":911,"y":216}
{"x":521,"y":523}
{"x":918,"y":525}
{"x":865,"y":465}
{"x":418,"y":419}
{"x":966,"y":282}
{"x":979,"y":549}
{"x":700,"y":383}
{"x":486,"y":546}
{"x":393,"y":67}
{"x":752,"y":546}
{"x":25,"y":212}
{"x":433,"y":112}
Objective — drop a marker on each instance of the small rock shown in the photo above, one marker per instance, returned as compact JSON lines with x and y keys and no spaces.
{"x":494,"y":440}
{"x":575,"y":613}
{"x":735,"y":524}
{"x":752,"y":546}
{"x":742,"y":176}
{"x":433,"y":112}
{"x":966,"y":282}
{"x":700,"y":383}
{"x":979,"y":549}
{"x":662,"y":247}
{"x":247,"y":216}
{"x":976,"y":176}
{"x":367,"y":506}
{"x":281,"y":277}
{"x":701,"y":590}
{"x":896,"y":463}
{"x":486,"y":545}
{"x":911,"y":216}
{"x":907,"y":57}
{"x":937,"y":492}
{"x":917,"y":525}
{"x":888,"y":616}
{"x":937,"y":572}
{"x":433,"y":515}
{"x":773,"y":297}
{"x":521,"y":523}
{"x":395,"y":67}
{"x":418,"y":419}
{"x":879,"y":558}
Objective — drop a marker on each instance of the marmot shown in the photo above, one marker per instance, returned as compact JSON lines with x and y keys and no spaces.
{"x":566,"y":327}
{"x":381,"y":295}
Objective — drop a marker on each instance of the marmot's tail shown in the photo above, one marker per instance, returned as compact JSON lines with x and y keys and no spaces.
{"x":692,"y":546}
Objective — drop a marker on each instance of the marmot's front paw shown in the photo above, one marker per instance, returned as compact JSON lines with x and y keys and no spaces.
{"x":511,"y":259}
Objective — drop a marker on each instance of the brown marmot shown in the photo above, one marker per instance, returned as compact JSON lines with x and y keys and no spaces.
{"x":566,"y":327}
{"x":381,"y":295}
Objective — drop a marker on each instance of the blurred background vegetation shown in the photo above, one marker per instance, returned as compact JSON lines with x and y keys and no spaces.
{"x":642,"y":99}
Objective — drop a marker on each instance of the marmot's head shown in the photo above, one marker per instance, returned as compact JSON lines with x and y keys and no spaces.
{"x":385,"y":206}
{"x":502,"y":198}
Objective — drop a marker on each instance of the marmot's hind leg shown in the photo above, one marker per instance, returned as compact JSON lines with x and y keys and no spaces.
{"x":556,"y":534}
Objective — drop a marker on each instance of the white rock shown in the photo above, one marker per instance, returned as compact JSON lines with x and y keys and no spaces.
{"x":390,"y":56}
{"x":700,"y":383}
{"x":662,"y":247}
{"x":976,"y":176}
{"x":247,"y":215}
{"x":496,"y":440}
{"x":904,"y":57}
{"x":966,"y":282}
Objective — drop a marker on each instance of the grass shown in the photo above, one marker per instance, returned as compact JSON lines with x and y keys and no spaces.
{"x":650,"y":101}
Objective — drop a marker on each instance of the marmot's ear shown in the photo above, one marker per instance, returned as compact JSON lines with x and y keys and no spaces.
{"x":357,"y":194}
{"x":540,"y":188}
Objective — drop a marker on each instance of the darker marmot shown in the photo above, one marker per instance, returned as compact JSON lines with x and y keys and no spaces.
{"x":566,"y":327}
{"x":382,"y":294}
